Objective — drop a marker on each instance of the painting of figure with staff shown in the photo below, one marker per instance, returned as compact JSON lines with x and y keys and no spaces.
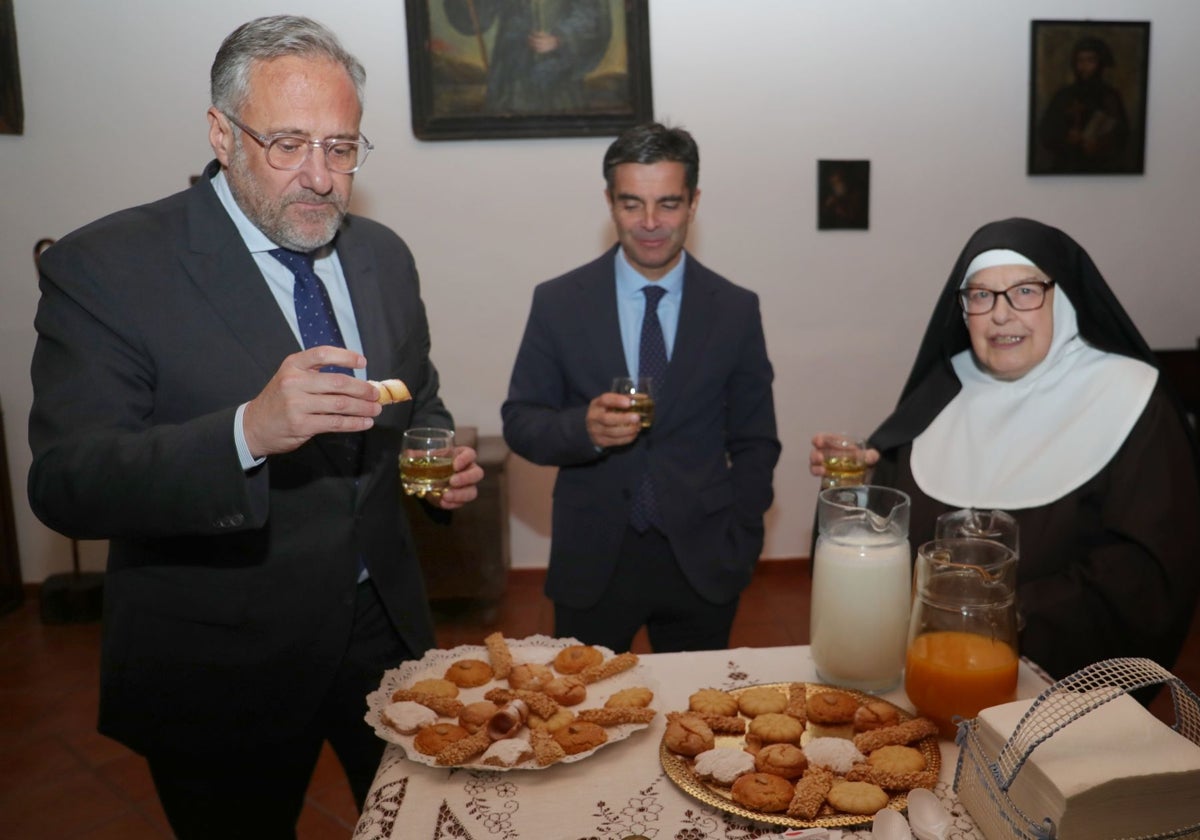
{"x":528,"y":67}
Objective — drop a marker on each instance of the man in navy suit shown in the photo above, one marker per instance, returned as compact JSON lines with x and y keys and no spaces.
{"x":662,"y":526}
{"x":261,"y":574}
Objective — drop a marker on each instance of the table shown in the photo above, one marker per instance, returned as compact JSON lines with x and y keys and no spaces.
{"x":622,"y":789}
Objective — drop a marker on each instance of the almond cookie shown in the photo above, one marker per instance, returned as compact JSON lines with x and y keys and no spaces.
{"x":573,"y":659}
{"x":857,"y":797}
{"x":432,"y":739}
{"x":713,"y":701}
{"x":580,"y":736}
{"x":446,"y":706}
{"x":831,"y":708}
{"x":616,"y":717}
{"x":469,"y":673}
{"x":901,"y":733}
{"x":463,"y":750}
{"x":810,"y":793}
{"x":566,"y":691}
{"x":436,"y":687}
{"x":761,"y":700}
{"x":687,"y":735}
{"x":763,"y":792}
{"x":776,"y":728}
{"x":609,"y":668}
{"x":875,"y":714}
{"x":786,"y":760}
{"x":637,"y":697}
{"x":723,"y":765}
{"x":530,"y":676}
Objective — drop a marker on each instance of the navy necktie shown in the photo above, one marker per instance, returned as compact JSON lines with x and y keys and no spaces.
{"x":652,"y":362}
{"x":314,"y":310}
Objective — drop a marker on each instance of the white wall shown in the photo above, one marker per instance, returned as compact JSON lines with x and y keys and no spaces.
{"x":932,"y":92}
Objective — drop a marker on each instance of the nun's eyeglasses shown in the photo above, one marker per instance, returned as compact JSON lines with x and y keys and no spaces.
{"x":1023,"y":297}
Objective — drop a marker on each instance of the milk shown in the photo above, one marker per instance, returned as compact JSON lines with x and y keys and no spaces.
{"x":861,"y":592}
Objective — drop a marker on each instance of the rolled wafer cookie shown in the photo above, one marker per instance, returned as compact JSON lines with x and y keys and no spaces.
{"x":391,"y":391}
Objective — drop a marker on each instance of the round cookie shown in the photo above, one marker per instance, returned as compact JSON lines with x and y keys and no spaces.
{"x":831,"y":708}
{"x":761,"y":700}
{"x":775,"y":728}
{"x":635,"y":697}
{"x":469,"y":673}
{"x":763,"y":792}
{"x":713,"y":701}
{"x":475,"y":716}
{"x":857,"y":797}
{"x":436,"y":687}
{"x":875,"y":714}
{"x":723,"y":765}
{"x":786,"y":760}
{"x":897,"y":759}
{"x":566,"y":691}
{"x":573,"y":659}
{"x":431,"y":740}
{"x":553,"y":723}
{"x":580,"y":736}
{"x":688,"y":735}
{"x":530,"y":676}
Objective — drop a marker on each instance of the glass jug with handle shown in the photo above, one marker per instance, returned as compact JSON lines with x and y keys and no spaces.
{"x":962,"y":637}
{"x":861,"y":587}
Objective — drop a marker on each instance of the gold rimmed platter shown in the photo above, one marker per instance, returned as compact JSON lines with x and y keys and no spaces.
{"x":679,"y":768}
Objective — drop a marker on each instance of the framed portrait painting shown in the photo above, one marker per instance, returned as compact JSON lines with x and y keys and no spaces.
{"x":843,"y":194}
{"x":12,"y":109}
{"x":482,"y":69}
{"x":1087,"y":97}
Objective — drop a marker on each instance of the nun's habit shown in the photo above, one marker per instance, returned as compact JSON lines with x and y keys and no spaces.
{"x":1089,"y":450}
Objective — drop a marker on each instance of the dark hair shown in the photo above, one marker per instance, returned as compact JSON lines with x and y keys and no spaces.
{"x":1094,"y":45}
{"x":651,"y":143}
{"x":267,"y":38}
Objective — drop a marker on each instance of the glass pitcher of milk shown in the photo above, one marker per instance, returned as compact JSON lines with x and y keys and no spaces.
{"x":861,"y":587}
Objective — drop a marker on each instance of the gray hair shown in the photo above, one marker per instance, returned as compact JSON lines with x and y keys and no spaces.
{"x":267,"y":38}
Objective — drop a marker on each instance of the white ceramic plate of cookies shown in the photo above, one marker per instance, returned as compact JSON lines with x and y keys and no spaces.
{"x":537,"y":650}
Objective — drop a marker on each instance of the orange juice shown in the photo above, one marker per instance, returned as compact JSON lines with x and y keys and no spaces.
{"x":950,"y":673}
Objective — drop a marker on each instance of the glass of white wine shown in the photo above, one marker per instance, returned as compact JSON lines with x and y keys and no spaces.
{"x":640,"y":391}
{"x":426,"y":462}
{"x":845,"y":460}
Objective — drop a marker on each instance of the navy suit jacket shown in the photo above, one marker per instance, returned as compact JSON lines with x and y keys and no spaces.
{"x":711,"y":451}
{"x":229,"y":595}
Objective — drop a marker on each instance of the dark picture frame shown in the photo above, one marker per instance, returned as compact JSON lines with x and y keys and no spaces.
{"x":12,"y":106}
{"x":843,"y":194}
{"x":1088,"y":83}
{"x":487,"y":69}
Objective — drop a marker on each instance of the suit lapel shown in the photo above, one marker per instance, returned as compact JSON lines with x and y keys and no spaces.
{"x":697,"y":318}
{"x":602,"y":327}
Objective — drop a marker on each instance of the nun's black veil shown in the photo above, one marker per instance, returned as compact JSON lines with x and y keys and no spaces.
{"x":1103,"y":323}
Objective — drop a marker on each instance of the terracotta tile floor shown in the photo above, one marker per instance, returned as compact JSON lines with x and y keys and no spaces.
{"x":59,"y":778}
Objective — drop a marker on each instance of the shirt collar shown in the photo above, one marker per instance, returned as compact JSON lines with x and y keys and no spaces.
{"x":257,"y":241}
{"x":630,"y":281}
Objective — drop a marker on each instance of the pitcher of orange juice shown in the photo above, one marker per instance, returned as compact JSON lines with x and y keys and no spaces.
{"x":962,"y":634}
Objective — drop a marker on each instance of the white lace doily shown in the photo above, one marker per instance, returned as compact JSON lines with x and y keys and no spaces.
{"x":533,"y":649}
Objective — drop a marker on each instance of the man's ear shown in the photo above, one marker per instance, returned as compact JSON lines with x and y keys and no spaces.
{"x":220,"y":136}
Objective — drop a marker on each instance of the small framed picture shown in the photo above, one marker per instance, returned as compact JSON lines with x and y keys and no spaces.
{"x":843,"y":194}
{"x":1087,"y":97}
{"x":12,"y":108}
{"x":483,"y":69}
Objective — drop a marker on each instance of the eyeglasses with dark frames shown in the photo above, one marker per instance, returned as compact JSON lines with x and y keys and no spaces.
{"x":289,"y":152}
{"x":1023,"y":297}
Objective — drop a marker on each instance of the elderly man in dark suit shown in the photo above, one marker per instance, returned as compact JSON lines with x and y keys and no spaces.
{"x":662,"y":526}
{"x":261,"y":575}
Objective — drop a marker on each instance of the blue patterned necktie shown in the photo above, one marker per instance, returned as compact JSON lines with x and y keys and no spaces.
{"x":314,"y":310}
{"x":319,"y":327}
{"x":652,"y":362}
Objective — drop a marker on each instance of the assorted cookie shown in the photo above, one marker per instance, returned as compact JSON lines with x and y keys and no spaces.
{"x":810,"y":752}
{"x":494,"y":710}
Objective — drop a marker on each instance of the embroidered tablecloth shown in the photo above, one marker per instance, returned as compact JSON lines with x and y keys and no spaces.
{"x":620,"y":791}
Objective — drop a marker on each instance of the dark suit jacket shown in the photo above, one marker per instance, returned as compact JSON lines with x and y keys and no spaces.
{"x":228,"y":596}
{"x":711,"y":451}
